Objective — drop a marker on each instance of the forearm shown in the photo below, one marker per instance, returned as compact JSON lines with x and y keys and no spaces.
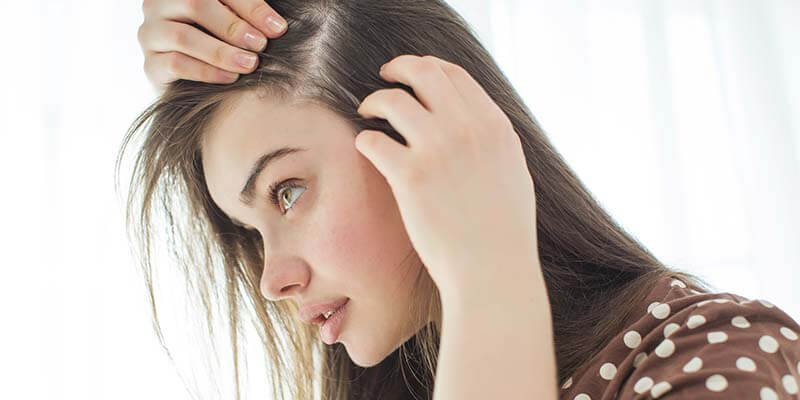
{"x":496,"y":342}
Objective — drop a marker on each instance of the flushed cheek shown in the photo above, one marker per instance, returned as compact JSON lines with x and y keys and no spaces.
{"x":350,"y":244}
{"x":363,"y":246}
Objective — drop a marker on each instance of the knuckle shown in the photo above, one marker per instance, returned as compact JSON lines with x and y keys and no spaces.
{"x":377,"y":97}
{"x":369,"y":140}
{"x":430,"y":58}
{"x":401,"y":58}
{"x":410,"y":57}
{"x":179,"y":36}
{"x":173,"y":64}
{"x":425,"y":65}
{"x":422,"y":64}
{"x":233,"y":28}
{"x":191,"y":7}
{"x":452,"y":68}
{"x":219,"y":56}
{"x":141,"y":34}
{"x":394,"y":95}
{"x":207,"y":74}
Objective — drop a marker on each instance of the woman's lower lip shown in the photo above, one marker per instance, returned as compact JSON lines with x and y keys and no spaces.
{"x":332,"y":326}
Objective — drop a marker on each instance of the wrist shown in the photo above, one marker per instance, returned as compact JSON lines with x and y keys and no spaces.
{"x":516,"y":284}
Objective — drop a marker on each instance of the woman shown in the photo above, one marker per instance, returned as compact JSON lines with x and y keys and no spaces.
{"x":425,"y":211}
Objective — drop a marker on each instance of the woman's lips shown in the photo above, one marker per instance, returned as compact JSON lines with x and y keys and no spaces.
{"x":312,"y":313}
{"x":331,"y":328}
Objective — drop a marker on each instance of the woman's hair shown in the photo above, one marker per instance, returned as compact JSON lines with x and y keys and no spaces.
{"x":595,"y":272}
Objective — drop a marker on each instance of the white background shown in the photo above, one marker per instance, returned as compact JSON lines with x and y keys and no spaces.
{"x":681,"y":117}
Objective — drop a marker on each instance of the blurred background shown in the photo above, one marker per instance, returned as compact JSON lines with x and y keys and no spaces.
{"x":682,"y":118}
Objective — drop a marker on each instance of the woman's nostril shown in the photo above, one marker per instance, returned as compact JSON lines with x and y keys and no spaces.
{"x":288,"y":288}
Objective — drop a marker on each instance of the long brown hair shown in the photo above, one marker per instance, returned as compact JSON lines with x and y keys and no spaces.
{"x":595,"y":272}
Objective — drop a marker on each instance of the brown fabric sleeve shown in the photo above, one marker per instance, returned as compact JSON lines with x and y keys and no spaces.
{"x":721,"y":349}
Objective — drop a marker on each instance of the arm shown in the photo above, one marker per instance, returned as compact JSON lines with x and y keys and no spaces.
{"x":496,"y":341}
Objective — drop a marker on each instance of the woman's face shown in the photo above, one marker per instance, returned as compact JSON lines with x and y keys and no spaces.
{"x":337,"y":234}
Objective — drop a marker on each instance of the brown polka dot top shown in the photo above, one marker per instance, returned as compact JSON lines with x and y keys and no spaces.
{"x":688,"y":344}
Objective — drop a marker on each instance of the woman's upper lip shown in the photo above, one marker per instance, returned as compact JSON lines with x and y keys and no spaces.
{"x":311,"y":313}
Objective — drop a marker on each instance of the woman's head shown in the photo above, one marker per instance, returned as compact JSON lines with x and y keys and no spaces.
{"x":332,"y":230}
{"x":335,"y":231}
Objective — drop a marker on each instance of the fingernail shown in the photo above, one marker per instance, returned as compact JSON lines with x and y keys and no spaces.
{"x":277,"y":24}
{"x":246,"y":60}
{"x":255,"y":41}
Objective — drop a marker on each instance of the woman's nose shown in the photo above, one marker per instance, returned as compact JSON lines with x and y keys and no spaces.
{"x":282,"y":279}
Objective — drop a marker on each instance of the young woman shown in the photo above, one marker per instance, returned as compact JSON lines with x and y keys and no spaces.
{"x":376,"y":175}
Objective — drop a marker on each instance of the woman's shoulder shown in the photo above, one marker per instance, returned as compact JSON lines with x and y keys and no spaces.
{"x":687,"y":344}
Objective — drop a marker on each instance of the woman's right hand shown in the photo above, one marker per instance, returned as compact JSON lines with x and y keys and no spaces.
{"x":175,"y":49}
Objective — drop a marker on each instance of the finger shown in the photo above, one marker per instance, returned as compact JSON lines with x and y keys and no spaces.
{"x":226,"y":25}
{"x":423,"y":74}
{"x":164,"y":35}
{"x":259,"y":15}
{"x":212,"y":16}
{"x":387,"y":155}
{"x":163,"y":68}
{"x":472,"y":93}
{"x":406,"y":115}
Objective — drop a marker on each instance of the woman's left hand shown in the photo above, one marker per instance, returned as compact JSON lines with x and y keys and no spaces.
{"x":462,"y":185}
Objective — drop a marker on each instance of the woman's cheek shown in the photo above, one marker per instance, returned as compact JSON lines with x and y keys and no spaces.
{"x":356,"y":245}
{"x":341,"y":243}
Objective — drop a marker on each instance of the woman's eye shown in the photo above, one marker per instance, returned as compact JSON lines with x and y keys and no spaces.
{"x":281,"y":194}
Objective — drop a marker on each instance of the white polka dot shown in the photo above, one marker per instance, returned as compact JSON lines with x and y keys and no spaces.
{"x":717,"y":337}
{"x":768,"y":394}
{"x":766,"y":303}
{"x":607,"y":371}
{"x":695,"y":320}
{"x":671,"y":327}
{"x":652,"y":305}
{"x":659,"y":389}
{"x":693,"y":365}
{"x":643,"y":384}
{"x":678,"y":283}
{"x":632,"y":339}
{"x":740,"y":322}
{"x":790,"y":384}
{"x":745,"y":364}
{"x":716,"y":383}
{"x":583,"y":396}
{"x":661,"y":311}
{"x":768,"y":343}
{"x":704,"y":302}
{"x":720,"y":301}
{"x":665,"y":348}
{"x":567,"y":383}
{"x":788,"y":333}
{"x":639,"y":359}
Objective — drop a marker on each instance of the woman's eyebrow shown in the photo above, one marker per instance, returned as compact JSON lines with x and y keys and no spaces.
{"x":246,"y":195}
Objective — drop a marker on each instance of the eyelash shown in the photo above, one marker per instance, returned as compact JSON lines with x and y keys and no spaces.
{"x":275,"y":188}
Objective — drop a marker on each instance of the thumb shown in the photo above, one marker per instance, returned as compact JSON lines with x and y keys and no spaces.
{"x":387,"y":155}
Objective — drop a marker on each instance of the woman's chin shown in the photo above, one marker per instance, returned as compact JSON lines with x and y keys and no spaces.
{"x":362,"y":359}
{"x":365,"y":358}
